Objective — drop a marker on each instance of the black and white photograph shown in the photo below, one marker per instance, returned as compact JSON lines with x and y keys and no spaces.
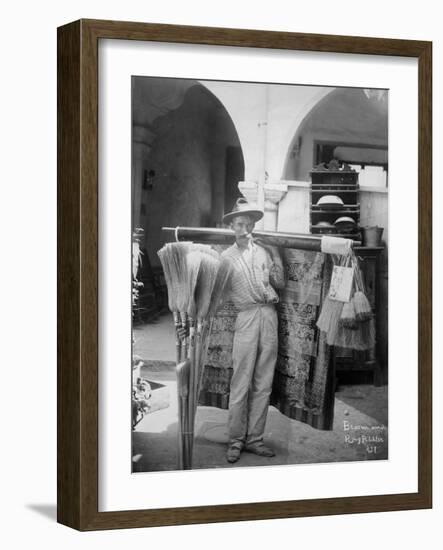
{"x":218,"y":283}
{"x":259,"y":274}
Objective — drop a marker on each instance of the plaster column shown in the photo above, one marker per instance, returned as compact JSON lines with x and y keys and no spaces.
{"x":293,"y":210}
{"x":263,"y":173}
{"x":274,"y":192}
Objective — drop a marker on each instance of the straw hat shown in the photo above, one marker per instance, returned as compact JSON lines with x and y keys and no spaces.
{"x":331,"y":201}
{"x":243,"y":208}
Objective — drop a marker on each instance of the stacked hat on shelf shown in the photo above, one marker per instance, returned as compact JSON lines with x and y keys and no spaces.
{"x":335,"y":207}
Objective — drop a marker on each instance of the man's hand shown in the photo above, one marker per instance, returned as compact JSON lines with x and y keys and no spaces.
{"x":182,"y":333}
{"x":276,"y":271}
{"x":273,"y":250}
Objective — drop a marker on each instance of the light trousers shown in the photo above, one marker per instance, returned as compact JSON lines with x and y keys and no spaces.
{"x":254,"y":356}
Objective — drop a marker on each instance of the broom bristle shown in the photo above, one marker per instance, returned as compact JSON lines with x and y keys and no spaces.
{"x":347,"y":337}
{"x":347,"y":318}
{"x":334,"y":324}
{"x":205,"y":284}
{"x":221,"y":280}
{"x":173,"y":259}
{"x":163,"y":255}
{"x":362,"y":338}
{"x":363,"y":311}
{"x":180,"y":273}
{"x":329,"y":315}
{"x":194,"y":261}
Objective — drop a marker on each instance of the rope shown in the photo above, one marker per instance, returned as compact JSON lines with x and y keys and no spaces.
{"x":176,"y":233}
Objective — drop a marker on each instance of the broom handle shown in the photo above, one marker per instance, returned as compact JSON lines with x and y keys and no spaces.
{"x":215,"y":235}
{"x":185,"y":432}
{"x":179,"y":434}
{"x":190,"y":405}
{"x":198,"y":367}
{"x":180,"y":418}
{"x":192,"y":376}
{"x":196,"y":384}
{"x":178,"y":344}
{"x":194,"y":391}
{"x":185,"y":435}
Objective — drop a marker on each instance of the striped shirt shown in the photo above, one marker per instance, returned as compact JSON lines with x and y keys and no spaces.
{"x":251,"y":278}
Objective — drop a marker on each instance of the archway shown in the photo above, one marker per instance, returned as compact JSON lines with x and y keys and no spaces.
{"x":187,"y":157}
{"x":344,"y":123}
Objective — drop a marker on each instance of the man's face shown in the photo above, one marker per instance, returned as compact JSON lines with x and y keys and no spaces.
{"x":242,"y":227}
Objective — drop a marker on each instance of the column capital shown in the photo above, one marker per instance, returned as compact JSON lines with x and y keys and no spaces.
{"x":274,"y":192}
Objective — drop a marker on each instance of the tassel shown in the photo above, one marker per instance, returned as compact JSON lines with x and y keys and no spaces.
{"x":362,"y":306}
{"x":329,"y":318}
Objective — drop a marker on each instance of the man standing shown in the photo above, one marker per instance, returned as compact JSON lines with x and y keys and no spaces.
{"x":256,"y":271}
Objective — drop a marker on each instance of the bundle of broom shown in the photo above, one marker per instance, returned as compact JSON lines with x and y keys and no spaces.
{"x":349,"y":324}
{"x":173,"y":257}
{"x":218,"y":297}
{"x":331,"y":310}
{"x":195,"y":278}
{"x":356,"y":328}
{"x":353,"y":333}
{"x":208,"y":303}
{"x":203,"y":297}
{"x":182,"y":373}
{"x":180,"y":268}
{"x":363,"y":311}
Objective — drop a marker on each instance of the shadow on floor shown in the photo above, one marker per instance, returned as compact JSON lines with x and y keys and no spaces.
{"x":48,"y":511}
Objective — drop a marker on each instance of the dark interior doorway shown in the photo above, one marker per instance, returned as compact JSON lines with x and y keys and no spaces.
{"x":235,"y":170}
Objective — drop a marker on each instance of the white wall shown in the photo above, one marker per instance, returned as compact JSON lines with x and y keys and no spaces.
{"x":266,"y":118}
{"x":28,"y":115}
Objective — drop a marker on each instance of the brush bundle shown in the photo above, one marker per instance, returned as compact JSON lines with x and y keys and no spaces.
{"x":357,"y":333}
{"x":173,"y":257}
{"x":347,"y":317}
{"x":328,"y":320}
{"x":349,"y":324}
{"x":196,"y":278}
{"x":363,"y":310}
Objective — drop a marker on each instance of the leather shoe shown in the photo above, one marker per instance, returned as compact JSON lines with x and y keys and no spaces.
{"x":233,"y":454}
{"x":259,"y":449}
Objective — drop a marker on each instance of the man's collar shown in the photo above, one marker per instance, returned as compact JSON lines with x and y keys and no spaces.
{"x":250,"y":246}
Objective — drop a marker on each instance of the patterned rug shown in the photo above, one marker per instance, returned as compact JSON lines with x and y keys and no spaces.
{"x":303,"y":386}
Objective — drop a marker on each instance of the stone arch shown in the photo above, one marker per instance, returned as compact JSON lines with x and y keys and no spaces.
{"x":182,"y":135}
{"x":320,"y":95}
{"x":342,"y":116}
